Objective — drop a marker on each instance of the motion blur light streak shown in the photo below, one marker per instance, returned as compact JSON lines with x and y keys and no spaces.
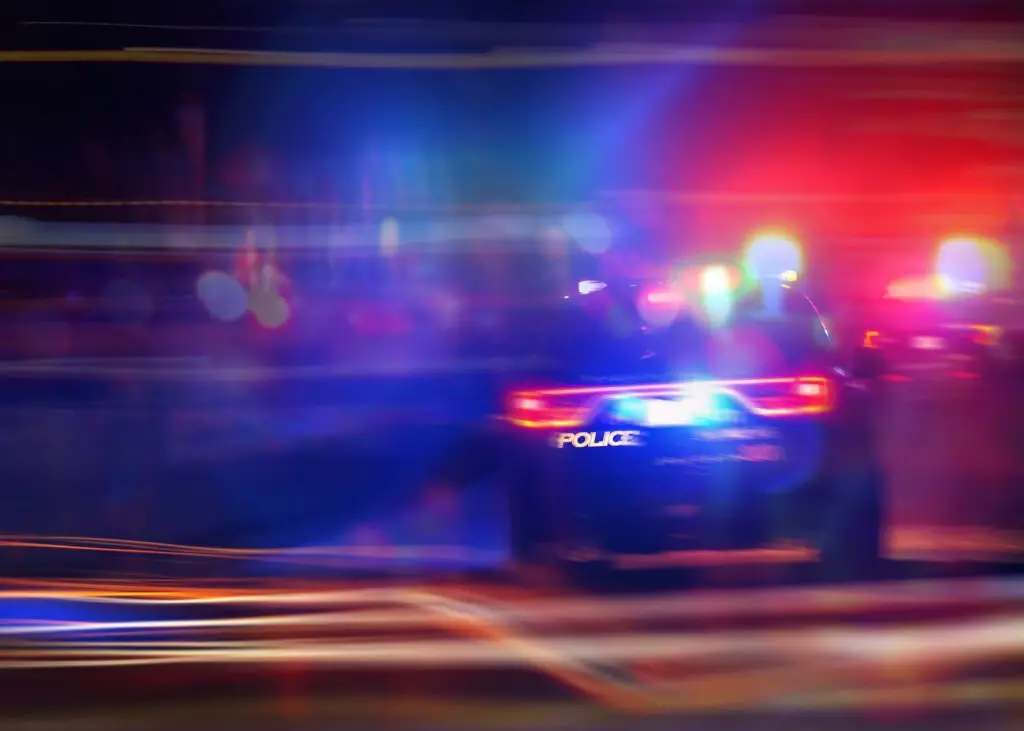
{"x":173,"y":549}
{"x":148,"y":369}
{"x":984,"y":543}
{"x":703,"y":604}
{"x":788,"y":661}
{"x":163,"y":625}
{"x":934,"y":643}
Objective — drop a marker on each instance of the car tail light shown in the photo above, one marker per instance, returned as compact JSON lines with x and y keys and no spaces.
{"x":550,"y":408}
{"x":786,"y":396}
{"x":688,"y":403}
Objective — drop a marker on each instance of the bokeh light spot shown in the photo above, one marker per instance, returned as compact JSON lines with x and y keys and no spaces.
{"x":969,"y":264}
{"x":222,"y":295}
{"x":270,"y":310}
{"x":715,"y":281}
{"x":773,"y":254}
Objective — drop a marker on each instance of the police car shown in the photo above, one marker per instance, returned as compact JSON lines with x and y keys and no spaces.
{"x":921,"y":333}
{"x":963,"y":319}
{"x":718,"y":425}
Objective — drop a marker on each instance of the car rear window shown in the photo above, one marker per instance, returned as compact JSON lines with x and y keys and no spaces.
{"x":767,"y":333}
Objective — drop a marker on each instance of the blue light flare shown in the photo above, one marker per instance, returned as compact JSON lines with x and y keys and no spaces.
{"x":697,"y":407}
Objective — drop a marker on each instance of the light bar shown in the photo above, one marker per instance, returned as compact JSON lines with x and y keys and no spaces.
{"x":715,"y":281}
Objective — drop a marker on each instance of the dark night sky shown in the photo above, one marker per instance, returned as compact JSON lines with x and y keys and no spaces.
{"x":107,"y":131}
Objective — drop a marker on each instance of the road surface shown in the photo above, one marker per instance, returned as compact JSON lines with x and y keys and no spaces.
{"x":420,"y":716}
{"x":288,"y":647}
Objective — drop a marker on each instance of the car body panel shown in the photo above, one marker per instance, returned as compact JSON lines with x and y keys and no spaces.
{"x":751,"y":474}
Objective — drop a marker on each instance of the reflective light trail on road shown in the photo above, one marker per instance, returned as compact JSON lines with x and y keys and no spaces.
{"x":664,"y":652}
